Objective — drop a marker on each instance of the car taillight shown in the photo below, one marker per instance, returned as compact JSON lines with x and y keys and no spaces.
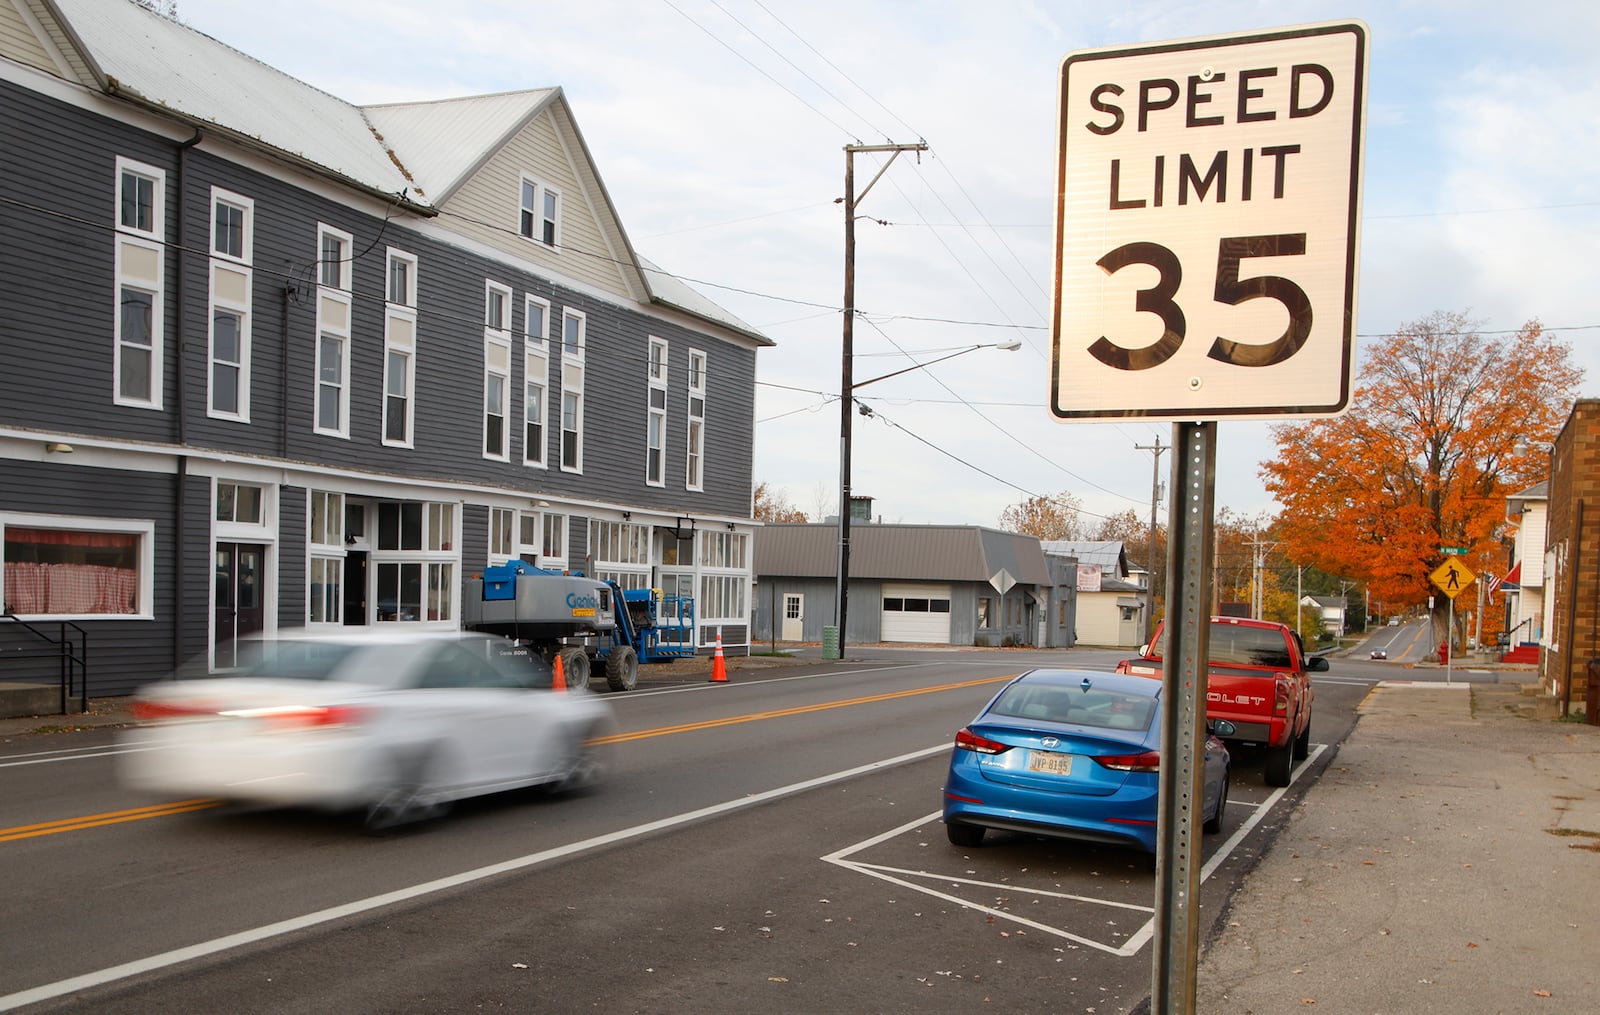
{"x":1280,"y":696}
{"x":150,"y":711}
{"x":967,"y":740}
{"x":1147,"y":761}
{"x":303,"y":716}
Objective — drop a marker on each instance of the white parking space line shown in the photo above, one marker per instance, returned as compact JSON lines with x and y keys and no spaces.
{"x":1126,"y":949}
{"x":110,"y":974}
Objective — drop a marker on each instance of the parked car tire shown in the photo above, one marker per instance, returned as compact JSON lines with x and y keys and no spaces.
{"x":1213,"y":823}
{"x":967,"y":836}
{"x":622,"y":668}
{"x":1302,"y":743}
{"x":1279,"y":764}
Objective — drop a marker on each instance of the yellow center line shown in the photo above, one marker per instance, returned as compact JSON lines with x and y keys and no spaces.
{"x":618,"y":738}
{"x":108,"y":818}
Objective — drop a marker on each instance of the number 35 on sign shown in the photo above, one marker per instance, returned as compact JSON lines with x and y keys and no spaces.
{"x":1208,"y":204}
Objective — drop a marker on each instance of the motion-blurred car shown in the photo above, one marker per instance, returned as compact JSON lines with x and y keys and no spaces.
{"x":394,"y":726}
{"x":1071,"y":753}
{"x":1379,"y":653}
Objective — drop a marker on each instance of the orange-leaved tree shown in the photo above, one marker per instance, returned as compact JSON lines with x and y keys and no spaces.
{"x":769,"y":505}
{"x":1446,"y":422}
{"x":1048,"y":518}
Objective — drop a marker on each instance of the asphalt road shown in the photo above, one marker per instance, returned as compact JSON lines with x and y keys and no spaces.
{"x":768,"y":844}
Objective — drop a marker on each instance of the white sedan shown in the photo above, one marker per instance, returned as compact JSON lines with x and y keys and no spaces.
{"x":395,"y":726}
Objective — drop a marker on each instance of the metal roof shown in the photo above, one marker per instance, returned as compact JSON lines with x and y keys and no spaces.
{"x":145,"y":56}
{"x":900,"y":553}
{"x":445,"y":141}
{"x":419,"y":152}
{"x":1107,"y":553}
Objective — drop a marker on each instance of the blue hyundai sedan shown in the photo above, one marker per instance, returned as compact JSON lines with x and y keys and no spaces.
{"x":1070,"y":753}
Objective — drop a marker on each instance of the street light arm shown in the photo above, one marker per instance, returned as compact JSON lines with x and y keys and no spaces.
{"x":1008,"y":346}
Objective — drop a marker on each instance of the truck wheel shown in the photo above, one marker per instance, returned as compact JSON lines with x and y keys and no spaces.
{"x":622,"y":668}
{"x":1279,"y":765}
{"x":575,"y":668}
{"x":1302,"y":743}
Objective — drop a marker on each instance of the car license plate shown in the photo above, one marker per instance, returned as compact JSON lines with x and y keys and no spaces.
{"x":1050,"y":763}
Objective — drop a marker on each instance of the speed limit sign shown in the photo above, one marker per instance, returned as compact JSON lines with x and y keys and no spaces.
{"x":1208,"y":204}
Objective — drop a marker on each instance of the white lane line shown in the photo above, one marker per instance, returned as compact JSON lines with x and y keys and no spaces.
{"x":87,"y":752}
{"x":48,"y":991}
{"x":1128,"y":948}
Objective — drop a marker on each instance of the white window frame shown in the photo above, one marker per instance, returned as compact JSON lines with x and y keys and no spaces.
{"x":144,"y":529}
{"x":400,"y":340}
{"x":505,"y":535}
{"x":232,"y":291}
{"x":158,"y":199}
{"x":327,"y":299}
{"x":439,"y":565}
{"x":572,"y":385}
{"x":140,"y":265}
{"x":553,"y":533}
{"x":325,"y":552}
{"x":694,"y":476}
{"x":345,"y":263}
{"x":536,"y":379}
{"x":539,"y":221}
{"x":497,"y":367}
{"x":335,"y":307}
{"x":655,"y":450}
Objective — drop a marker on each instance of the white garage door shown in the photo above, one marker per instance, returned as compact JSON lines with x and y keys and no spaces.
{"x":916,"y":613}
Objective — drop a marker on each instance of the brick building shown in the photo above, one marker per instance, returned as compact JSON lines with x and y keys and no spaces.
{"x":1572,"y":554}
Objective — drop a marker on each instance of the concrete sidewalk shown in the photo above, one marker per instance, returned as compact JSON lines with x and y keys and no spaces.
{"x":1447,"y":861}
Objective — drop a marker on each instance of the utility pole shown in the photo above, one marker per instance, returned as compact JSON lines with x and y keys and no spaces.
{"x":1155,"y":496}
{"x":847,"y":375}
{"x":1258,"y":601}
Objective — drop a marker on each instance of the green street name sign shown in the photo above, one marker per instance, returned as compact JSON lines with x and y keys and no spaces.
{"x":1453,"y":551}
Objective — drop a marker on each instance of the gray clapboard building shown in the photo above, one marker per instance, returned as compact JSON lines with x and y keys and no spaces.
{"x":926,"y":584}
{"x":273,"y":359}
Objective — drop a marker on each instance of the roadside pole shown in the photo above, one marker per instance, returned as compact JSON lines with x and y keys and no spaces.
{"x":1191,"y":518}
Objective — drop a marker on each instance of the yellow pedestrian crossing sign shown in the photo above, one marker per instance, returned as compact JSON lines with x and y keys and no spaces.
{"x":1452,"y":577}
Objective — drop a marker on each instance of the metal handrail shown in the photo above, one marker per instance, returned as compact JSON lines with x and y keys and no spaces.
{"x":72,"y":667}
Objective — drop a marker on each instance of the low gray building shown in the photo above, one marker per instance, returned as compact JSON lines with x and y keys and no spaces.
{"x":921,"y":584}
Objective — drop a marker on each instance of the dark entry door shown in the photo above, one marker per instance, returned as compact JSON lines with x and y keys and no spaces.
{"x":239,"y":601}
{"x":355,"y":588}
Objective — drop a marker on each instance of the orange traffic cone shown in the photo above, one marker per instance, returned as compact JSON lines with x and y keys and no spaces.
{"x":719,"y":668}
{"x":560,"y":682}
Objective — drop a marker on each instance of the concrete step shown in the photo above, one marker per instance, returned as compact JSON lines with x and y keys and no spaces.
{"x":29,"y":699}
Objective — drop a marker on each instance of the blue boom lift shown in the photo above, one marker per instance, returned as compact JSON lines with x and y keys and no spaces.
{"x":579,"y":620}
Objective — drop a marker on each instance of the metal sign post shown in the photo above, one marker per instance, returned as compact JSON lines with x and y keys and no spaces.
{"x":1183,"y":734}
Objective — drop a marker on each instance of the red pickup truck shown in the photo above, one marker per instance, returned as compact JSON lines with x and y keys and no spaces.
{"x":1259,"y":680}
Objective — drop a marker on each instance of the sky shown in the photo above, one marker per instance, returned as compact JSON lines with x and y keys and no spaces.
{"x":719,"y":129}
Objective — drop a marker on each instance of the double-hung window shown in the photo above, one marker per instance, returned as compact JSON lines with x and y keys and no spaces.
{"x":228,"y":383}
{"x":140,"y":265}
{"x":496,"y":371}
{"x":572,"y":371}
{"x":332,"y":397}
{"x":503,"y":534}
{"x":399,"y":349}
{"x":535,"y":379}
{"x":694,"y":477}
{"x":325,"y":596}
{"x":655,"y":467}
{"x":540,"y":218}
